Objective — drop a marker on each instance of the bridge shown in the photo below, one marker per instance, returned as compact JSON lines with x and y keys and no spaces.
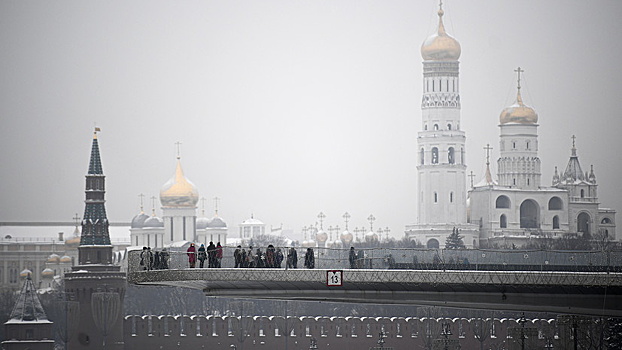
{"x":588,"y":288}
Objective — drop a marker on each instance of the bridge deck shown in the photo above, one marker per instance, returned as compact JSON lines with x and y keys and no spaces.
{"x":589,"y":293}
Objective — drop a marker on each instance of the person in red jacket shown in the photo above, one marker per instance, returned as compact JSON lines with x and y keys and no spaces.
{"x":192,"y":255}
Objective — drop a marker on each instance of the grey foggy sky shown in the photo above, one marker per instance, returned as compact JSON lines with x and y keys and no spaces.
{"x":287,"y":108}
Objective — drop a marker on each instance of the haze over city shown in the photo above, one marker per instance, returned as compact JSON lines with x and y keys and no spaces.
{"x":285,"y":109}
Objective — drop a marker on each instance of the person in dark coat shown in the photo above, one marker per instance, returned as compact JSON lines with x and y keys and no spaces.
{"x":192,"y":255}
{"x":201,"y":255}
{"x":164,"y":259}
{"x":237,"y":256}
{"x":309,"y":259}
{"x":352,"y":258}
{"x":218,"y":255}
{"x":211,"y":255}
{"x":292,"y":258}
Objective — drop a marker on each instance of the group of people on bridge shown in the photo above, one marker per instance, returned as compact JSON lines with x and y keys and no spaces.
{"x":213,"y":255}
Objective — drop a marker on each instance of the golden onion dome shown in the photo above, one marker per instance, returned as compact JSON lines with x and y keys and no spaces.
{"x":346,"y":237}
{"x":518,"y":113}
{"x":47,"y":273}
{"x":65,"y":259}
{"x":25,"y":273}
{"x":321,"y":236}
{"x":179,"y":191}
{"x":54,"y":258}
{"x":440,"y":46}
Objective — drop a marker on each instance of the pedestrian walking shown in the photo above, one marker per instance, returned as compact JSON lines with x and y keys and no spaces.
{"x":192,"y":255}
{"x":310,"y":259}
{"x":201,"y":255}
{"x":218,"y":255}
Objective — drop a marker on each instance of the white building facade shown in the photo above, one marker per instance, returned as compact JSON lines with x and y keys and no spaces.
{"x":441,"y":168}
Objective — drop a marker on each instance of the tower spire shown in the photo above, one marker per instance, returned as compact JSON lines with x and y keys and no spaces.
{"x":95,"y":247}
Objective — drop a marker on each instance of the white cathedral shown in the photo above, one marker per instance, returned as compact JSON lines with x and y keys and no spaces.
{"x":179,"y":223}
{"x":513,"y":210}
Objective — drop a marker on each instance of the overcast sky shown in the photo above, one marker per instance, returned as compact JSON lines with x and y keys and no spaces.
{"x":287,"y":108}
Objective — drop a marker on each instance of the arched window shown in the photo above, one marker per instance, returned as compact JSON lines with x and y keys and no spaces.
{"x":435,"y":127}
{"x":451,"y":197}
{"x":503,"y":202}
{"x":432,"y":243}
{"x":583,"y":223}
{"x":450,"y":156}
{"x":461,"y":155}
{"x":449,"y":126}
{"x":513,"y":145}
{"x":605,"y":221}
{"x":425,"y":127}
{"x":434,"y":155}
{"x":435,"y":197}
{"x":422,"y":156}
{"x":503,"y":221}
{"x":555,"y":222}
{"x":527,"y":144}
{"x":555,"y":203}
{"x":582,"y":193}
{"x":529,"y":214}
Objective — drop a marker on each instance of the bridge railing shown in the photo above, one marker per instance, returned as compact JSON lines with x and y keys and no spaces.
{"x":395,"y":258}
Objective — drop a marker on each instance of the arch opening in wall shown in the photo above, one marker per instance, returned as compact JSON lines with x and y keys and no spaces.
{"x":503,"y":202}
{"x":435,"y":197}
{"x":555,"y":203}
{"x":605,"y":221}
{"x":449,"y":126}
{"x":436,"y":127}
{"x":451,"y":197}
{"x":582,"y":193}
{"x":529,"y":214}
{"x":451,"y":156}
{"x":555,"y":222}
{"x":583,"y":223}
{"x":503,"y":221}
{"x":433,"y":243}
{"x":434,"y":155}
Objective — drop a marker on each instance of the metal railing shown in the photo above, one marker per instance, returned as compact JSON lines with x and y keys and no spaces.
{"x":395,"y":258}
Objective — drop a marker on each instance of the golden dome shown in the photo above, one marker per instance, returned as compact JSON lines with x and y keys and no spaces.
{"x":440,"y":46}
{"x":179,"y":191}
{"x":65,"y":259}
{"x":518,"y":113}
{"x":54,"y":258}
{"x":47,"y":273}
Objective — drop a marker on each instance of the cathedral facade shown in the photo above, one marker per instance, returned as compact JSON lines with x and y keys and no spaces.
{"x":515,"y":210}
{"x":179,"y":222}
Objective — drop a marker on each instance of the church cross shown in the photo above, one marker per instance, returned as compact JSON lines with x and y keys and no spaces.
{"x":321,"y":216}
{"x":346,"y":216}
{"x":76,"y":218}
{"x":216,"y":200}
{"x":488,"y":149}
{"x":142,"y":196}
{"x":573,"y":140}
{"x":203,"y":206}
{"x":178,"y":145}
{"x":153,"y":200}
{"x":371,"y":220}
{"x":471,"y":176}
{"x":519,"y":71}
